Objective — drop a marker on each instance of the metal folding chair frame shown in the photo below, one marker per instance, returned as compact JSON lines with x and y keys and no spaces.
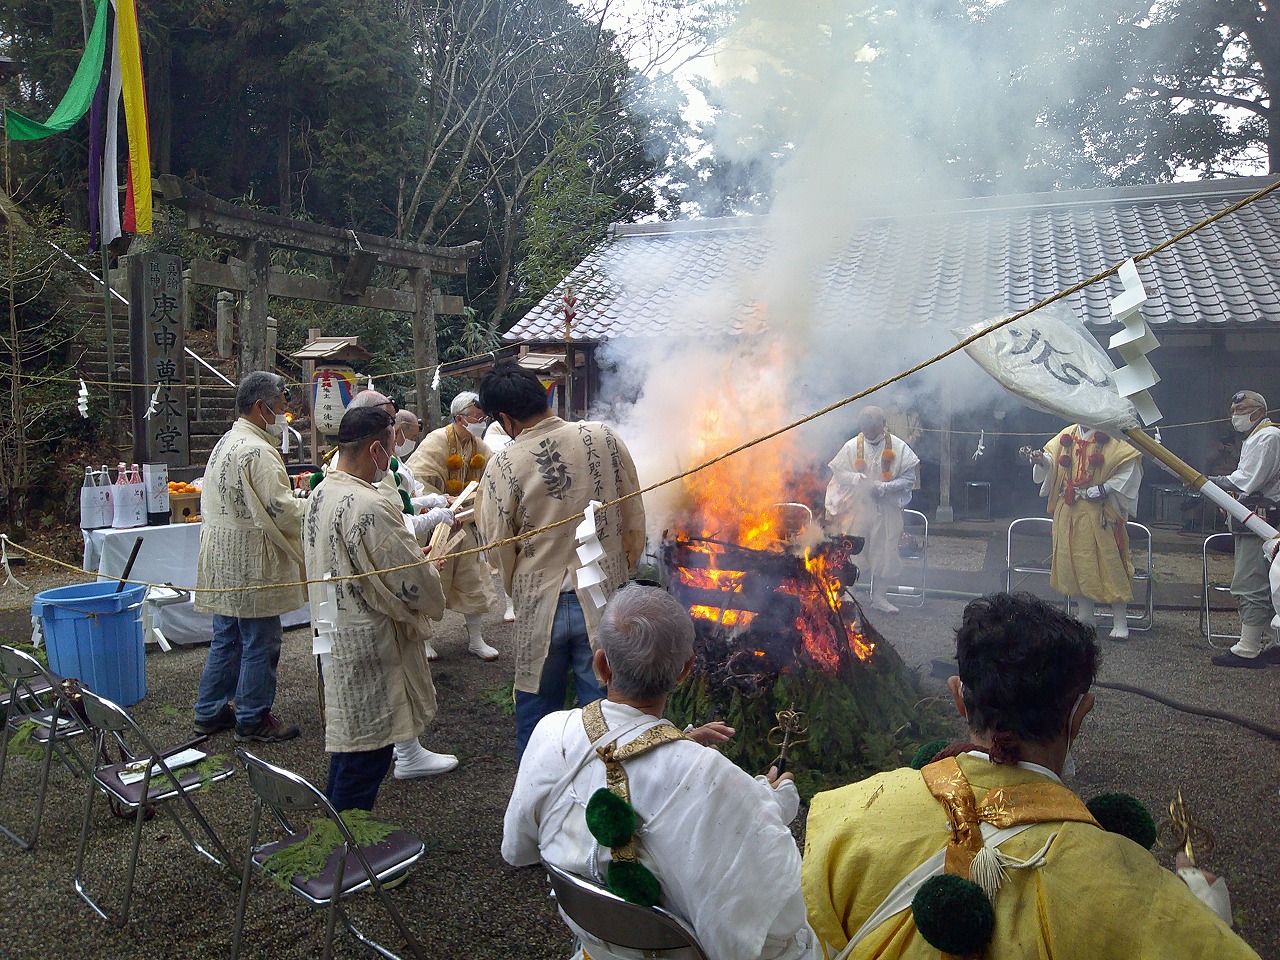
{"x":28,"y":688}
{"x":286,"y":793}
{"x":913,"y":522}
{"x":610,"y":919}
{"x":1141,"y":621}
{"x":111,"y":723}
{"x":1207,"y":585}
{"x":1142,"y":574}
{"x":1010,"y":568}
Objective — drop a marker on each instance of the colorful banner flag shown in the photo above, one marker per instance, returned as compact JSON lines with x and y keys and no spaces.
{"x":137,"y":211}
{"x":110,"y":71}
{"x":75,"y":102}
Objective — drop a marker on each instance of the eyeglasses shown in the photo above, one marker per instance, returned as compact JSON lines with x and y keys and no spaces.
{"x":477,"y":417}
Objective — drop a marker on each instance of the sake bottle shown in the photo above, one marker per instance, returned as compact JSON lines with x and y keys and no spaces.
{"x":103,"y":479}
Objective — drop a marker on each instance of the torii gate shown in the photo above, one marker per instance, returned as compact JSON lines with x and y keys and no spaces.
{"x":354,"y":256}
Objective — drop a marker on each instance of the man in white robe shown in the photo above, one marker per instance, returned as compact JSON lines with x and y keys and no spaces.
{"x":1256,"y":481}
{"x":377,"y":683}
{"x":715,"y":838}
{"x":871,"y":482}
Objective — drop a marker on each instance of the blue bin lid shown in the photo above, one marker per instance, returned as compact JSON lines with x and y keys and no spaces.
{"x":81,"y":598}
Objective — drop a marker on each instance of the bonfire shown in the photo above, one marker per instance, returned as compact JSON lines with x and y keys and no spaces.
{"x":778,"y":626}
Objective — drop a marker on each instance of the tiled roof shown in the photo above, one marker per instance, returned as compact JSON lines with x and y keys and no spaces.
{"x":955,"y":263}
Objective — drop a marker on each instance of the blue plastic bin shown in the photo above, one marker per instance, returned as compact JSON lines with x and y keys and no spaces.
{"x":93,"y":633}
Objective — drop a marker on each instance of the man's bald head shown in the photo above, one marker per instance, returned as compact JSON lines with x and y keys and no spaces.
{"x":407,"y":421}
{"x":371,"y":398}
{"x":871,"y":422}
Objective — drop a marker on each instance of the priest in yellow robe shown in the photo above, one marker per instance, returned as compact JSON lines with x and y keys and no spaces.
{"x":1091,"y":481}
{"x":877,"y":851}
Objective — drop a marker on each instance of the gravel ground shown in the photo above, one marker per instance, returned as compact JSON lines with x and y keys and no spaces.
{"x":462,"y":900}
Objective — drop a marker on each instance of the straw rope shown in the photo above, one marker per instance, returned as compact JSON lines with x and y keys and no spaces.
{"x":740,"y":448}
{"x":219,"y":385}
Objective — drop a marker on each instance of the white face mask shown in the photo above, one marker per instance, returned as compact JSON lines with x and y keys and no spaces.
{"x":1242,"y":422}
{"x":379,"y":473}
{"x":476,"y":430}
{"x":1069,"y":761}
{"x":275,"y":429}
{"x":404,"y":449}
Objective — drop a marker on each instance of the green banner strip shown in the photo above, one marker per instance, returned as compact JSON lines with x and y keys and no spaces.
{"x":75,"y":102}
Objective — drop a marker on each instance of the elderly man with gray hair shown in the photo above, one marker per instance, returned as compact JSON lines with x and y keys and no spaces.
{"x":1256,"y":482}
{"x":250,"y":568}
{"x":445,"y":462}
{"x":713,"y":839}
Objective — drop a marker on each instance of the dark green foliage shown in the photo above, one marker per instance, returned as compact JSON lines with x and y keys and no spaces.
{"x":21,"y":744}
{"x":953,"y":914}
{"x":611,"y":820}
{"x":862,"y":719}
{"x":1126,"y":815}
{"x":633,"y":882}
{"x":306,"y":858}
{"x":924,"y":756}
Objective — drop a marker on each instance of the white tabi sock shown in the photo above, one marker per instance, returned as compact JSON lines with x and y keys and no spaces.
{"x":1086,"y":611}
{"x":477,"y":644}
{"x":1119,"y":621}
{"x":408,"y":750}
{"x":1250,"y":643}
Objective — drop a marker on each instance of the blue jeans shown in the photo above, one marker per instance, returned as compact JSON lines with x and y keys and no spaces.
{"x":242,"y":665}
{"x":354,"y":778}
{"x":570,"y":650}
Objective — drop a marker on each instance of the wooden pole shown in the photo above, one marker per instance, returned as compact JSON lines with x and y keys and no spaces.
{"x":1198,"y":481}
{"x":253,"y":321}
{"x":310,"y":368}
{"x":945,"y":513}
{"x":426,"y":354}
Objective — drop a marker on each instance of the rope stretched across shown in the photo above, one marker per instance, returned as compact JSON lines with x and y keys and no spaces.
{"x":747,"y":445}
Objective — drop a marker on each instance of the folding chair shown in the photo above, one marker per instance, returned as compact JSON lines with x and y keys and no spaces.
{"x":914,"y":549}
{"x":1143,"y":583}
{"x":616,"y":922}
{"x":1039,"y":530}
{"x":349,"y":869}
{"x":1215,"y":544}
{"x":142,"y":781}
{"x":32,"y":700}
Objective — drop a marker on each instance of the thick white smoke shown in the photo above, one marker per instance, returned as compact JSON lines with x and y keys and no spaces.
{"x":800,"y":108}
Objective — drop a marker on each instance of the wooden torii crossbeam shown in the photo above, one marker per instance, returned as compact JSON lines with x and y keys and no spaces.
{"x":354,"y":257}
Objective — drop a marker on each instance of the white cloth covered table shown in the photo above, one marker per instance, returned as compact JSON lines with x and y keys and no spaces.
{"x":168,"y":555}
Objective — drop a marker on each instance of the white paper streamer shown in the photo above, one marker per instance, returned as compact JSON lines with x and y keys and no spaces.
{"x":324,"y":621}
{"x":82,"y":400}
{"x":153,"y":406}
{"x":435,"y":380}
{"x":1134,"y":342}
{"x":590,"y":576}
{"x":982,"y":445}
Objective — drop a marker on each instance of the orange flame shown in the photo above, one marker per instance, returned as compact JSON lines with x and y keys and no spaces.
{"x":748,"y":500}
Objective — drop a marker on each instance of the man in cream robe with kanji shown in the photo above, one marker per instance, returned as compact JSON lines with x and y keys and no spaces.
{"x":249,"y":570}
{"x":377,"y":682}
{"x":1091,"y":480}
{"x":551,"y":471}
{"x":445,"y":462}
{"x":871,"y":481}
